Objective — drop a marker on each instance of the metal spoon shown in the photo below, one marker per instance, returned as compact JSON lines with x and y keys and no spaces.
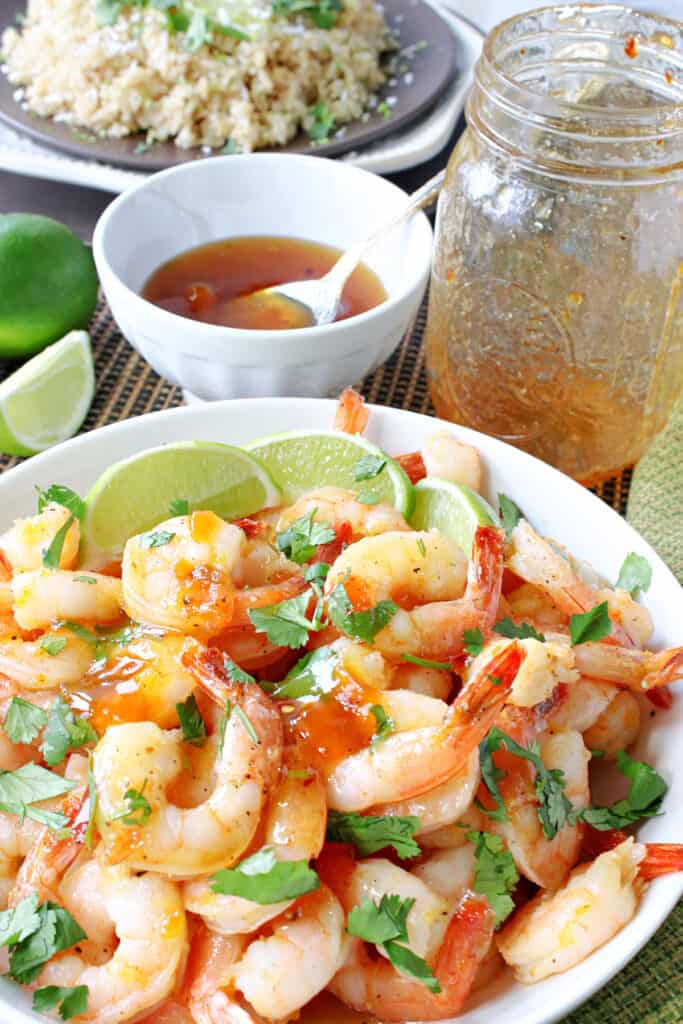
{"x":320,"y":298}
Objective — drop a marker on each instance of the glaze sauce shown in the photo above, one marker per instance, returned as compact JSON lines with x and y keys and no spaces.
{"x":211,"y":282}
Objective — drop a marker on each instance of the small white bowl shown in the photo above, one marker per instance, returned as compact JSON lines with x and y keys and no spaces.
{"x":261,"y":194}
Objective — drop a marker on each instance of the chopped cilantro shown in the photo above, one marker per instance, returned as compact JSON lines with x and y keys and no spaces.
{"x":299,"y":541}
{"x":370,"y":833}
{"x":593,"y":625}
{"x":179,"y":507}
{"x":36,"y":934}
{"x":495,"y":874}
{"x":421,"y":547}
{"x":93,"y":800}
{"x":360,"y":625}
{"x":525,"y":631}
{"x":237,"y":674}
{"x":323,"y":13}
{"x":368,"y":467}
{"x":191,"y":722}
{"x":53,"y":552}
{"x":53,"y":645}
{"x":85,"y":579}
{"x":368,"y":498}
{"x":64,"y":732}
{"x":474,"y":641}
{"x":23,"y":721}
{"x":155,"y":538}
{"x":31,"y":784}
{"x":285,"y":624}
{"x":71,"y":1001}
{"x":58,"y":494}
{"x":510,"y":513}
{"x":322,"y":123}
{"x":311,"y":676}
{"x":263,"y":879}
{"x":443,"y":666}
{"x":138,"y":810}
{"x":646,"y":791}
{"x":230,"y":148}
{"x":244,"y":719}
{"x":385,"y":110}
{"x":384,"y":924}
{"x":385,"y":725}
{"x":635,"y":574}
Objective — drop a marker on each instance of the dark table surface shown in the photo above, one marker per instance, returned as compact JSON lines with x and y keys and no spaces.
{"x":80,"y":207}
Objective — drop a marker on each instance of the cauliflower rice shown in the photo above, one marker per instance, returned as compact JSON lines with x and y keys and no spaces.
{"x":136,"y":75}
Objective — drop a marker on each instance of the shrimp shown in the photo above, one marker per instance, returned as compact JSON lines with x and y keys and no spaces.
{"x":407,"y":764}
{"x":43,"y":596}
{"x":536,"y":561}
{"x":32,"y":666}
{"x":406,"y":567}
{"x":635,"y":670}
{"x":436,"y":630}
{"x":351,"y":415}
{"x":432,"y":682}
{"x":141,"y":758}
{"x":544,"y":861}
{"x":449,"y":872}
{"x":334,"y":506}
{"x":442,"y":805}
{"x":556,"y":931}
{"x":529,"y":604}
{"x":237,"y":981}
{"x":449,"y":459}
{"x":294,"y":828}
{"x":24,"y":544}
{"x":545,"y":666}
{"x":372,"y":985}
{"x":608,"y":718}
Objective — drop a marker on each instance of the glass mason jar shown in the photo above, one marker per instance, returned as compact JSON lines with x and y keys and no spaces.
{"x":555,"y":318}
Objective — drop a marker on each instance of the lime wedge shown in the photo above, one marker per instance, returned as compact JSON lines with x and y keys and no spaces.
{"x":46,"y":400}
{"x":453,"y":509}
{"x":136,"y":494}
{"x":303,"y":460}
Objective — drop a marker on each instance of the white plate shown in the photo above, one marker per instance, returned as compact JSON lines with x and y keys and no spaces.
{"x":554,"y":503}
{"x":417,"y":143}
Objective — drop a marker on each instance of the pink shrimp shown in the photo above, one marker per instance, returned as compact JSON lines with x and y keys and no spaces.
{"x":351,"y":415}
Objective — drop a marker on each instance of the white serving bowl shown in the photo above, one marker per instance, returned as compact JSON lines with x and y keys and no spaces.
{"x":556,"y":505}
{"x":261,"y":194}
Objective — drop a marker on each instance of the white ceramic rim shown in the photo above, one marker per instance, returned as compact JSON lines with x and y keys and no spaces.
{"x":416,"y":277}
{"x":663,"y":894}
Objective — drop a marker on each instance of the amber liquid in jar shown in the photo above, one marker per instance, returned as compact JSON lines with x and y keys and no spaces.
{"x":555,"y":316}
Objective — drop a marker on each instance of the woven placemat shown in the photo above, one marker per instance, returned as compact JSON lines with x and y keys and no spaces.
{"x":648,"y":991}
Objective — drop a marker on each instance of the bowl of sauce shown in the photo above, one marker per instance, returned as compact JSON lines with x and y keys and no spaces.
{"x":180,"y":255}
{"x":217,"y":283}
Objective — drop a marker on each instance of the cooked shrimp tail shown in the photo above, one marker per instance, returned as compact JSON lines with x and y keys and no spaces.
{"x":661,"y":859}
{"x":351,"y":415}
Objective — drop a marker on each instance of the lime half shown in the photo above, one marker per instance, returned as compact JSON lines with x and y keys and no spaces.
{"x":303,"y":460}
{"x":46,"y":400}
{"x":452,"y":509}
{"x":136,"y":494}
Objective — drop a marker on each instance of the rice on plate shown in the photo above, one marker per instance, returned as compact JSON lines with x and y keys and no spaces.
{"x":245,"y":74}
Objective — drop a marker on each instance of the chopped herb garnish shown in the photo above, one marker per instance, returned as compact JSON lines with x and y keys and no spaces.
{"x":53,"y":552}
{"x":53,"y":645}
{"x":421,"y":547}
{"x":85,"y":579}
{"x":443,"y":666}
{"x":592,"y":626}
{"x":138,"y":810}
{"x":635,"y":574}
{"x":368,"y":467}
{"x":322,"y":123}
{"x":384,"y":924}
{"x":495,"y":680}
{"x":31,"y":784}
{"x":179,"y":507}
{"x":361,"y":625}
{"x":36,"y":934}
{"x":244,"y":719}
{"x":323,"y":13}
{"x":368,"y":498}
{"x":230,"y":148}
{"x":191,"y":722}
{"x":385,"y":725}
{"x":646,"y":791}
{"x":370,"y":833}
{"x":316,"y":572}
{"x":237,"y":674}
{"x":143,"y":147}
{"x":64,"y":732}
{"x":263,"y":879}
{"x":285,"y":624}
{"x":155,"y":538}
{"x":23,"y":721}
{"x":474,"y":641}
{"x":312,"y":675}
{"x":71,"y":1001}
{"x":525,"y":631}
{"x":385,"y":110}
{"x":510,"y":513}
{"x":300,"y":540}
{"x":58,"y":494}
{"x":495,"y":874}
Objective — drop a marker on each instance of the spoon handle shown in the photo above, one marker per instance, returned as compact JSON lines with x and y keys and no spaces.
{"x":347,"y":263}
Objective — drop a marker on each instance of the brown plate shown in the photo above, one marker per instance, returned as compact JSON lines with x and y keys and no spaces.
{"x":433,"y":66}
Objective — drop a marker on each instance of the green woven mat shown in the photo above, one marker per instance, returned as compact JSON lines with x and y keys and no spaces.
{"x":648,"y":991}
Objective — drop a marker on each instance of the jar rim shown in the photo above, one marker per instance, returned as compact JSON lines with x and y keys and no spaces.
{"x":518,"y":94}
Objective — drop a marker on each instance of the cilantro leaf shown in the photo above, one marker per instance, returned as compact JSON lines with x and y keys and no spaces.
{"x":385,"y":725}
{"x":64,"y":732}
{"x":316,"y":572}
{"x":191,"y":722}
{"x":443,"y":666}
{"x":23,"y":721}
{"x":85,"y":579}
{"x":312,"y":675}
{"x":360,"y":625}
{"x":635,"y":574}
{"x":155,"y":538}
{"x":285,"y":624}
{"x":29,"y":785}
{"x":53,"y":552}
{"x":53,"y":645}
{"x":72,"y":1001}
{"x":413,"y":966}
{"x":138,"y":810}
{"x":495,"y":874}
{"x":370,"y":833}
{"x":179,"y":507}
{"x":20,"y":921}
{"x":322,"y":123}
{"x":368,"y":467}
{"x":263,"y":879}
{"x":323,"y":13}
{"x":491,"y":776}
{"x":56,"y":931}
{"x":474,"y":641}
{"x":237,"y":674}
{"x":593,"y":625}
{"x":646,"y":791}
{"x":525,"y":631}
{"x":300,"y":540}
{"x":58,"y":494}
{"x":378,"y":922}
{"x":510,"y":513}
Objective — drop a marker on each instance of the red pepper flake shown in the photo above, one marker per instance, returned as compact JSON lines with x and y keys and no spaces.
{"x":631,"y":47}
{"x":668,"y":77}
